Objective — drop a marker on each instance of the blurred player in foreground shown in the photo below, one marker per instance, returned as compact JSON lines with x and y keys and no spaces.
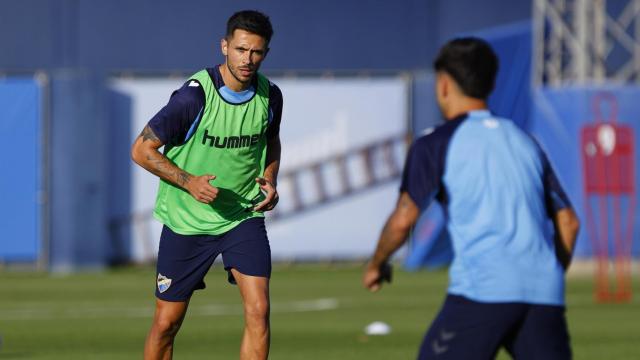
{"x":218,"y":175}
{"x":506,"y":282}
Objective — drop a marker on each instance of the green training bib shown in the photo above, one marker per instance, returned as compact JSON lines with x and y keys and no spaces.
{"x":230,"y":143}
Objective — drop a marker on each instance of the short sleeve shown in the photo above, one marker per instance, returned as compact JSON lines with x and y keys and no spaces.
{"x":421,"y":175}
{"x":275,"y":111}
{"x":176,"y":121}
{"x":555,"y":197}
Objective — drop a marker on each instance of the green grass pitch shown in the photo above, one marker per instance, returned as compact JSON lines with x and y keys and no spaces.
{"x":319,"y":311}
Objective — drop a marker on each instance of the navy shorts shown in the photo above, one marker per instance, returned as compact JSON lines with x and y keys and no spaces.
{"x":466,"y":329}
{"x":184,"y":260}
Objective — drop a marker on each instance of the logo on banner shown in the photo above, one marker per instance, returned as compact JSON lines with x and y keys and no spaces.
{"x":163,"y":283}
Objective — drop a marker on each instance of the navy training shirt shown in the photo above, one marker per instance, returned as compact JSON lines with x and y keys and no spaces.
{"x":499,"y":191}
{"x":176,"y":121}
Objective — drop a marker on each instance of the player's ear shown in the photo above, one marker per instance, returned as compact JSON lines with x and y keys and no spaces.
{"x":441,"y":85}
{"x":448,"y":86}
{"x":224,"y":45}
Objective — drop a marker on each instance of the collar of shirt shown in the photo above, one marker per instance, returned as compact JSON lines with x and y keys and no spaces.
{"x":229,"y":95}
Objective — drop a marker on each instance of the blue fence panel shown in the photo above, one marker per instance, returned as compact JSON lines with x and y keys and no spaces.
{"x":557,"y":120}
{"x":511,"y":97}
{"x":20,"y":185}
{"x":80,"y":142}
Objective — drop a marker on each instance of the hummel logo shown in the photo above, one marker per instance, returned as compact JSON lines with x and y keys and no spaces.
{"x":230,"y":142}
{"x":446,"y":336}
{"x":428,"y":130}
{"x":193,"y":84}
{"x":491,"y":123}
{"x":439,"y":348}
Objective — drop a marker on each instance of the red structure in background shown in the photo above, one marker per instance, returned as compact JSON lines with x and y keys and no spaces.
{"x":609,"y":185}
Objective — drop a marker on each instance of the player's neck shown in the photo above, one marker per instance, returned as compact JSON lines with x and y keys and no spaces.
{"x":231,"y":82}
{"x":464,"y":105}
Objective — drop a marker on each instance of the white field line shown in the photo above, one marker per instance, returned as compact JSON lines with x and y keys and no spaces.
{"x":43,"y":313}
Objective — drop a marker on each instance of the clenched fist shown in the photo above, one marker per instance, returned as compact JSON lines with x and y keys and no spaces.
{"x":200,"y":188}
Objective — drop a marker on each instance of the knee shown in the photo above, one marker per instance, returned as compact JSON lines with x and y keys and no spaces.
{"x":257,"y":312}
{"x":166,"y":327}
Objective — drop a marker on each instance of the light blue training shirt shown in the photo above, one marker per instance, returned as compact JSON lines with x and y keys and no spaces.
{"x":499,"y":192}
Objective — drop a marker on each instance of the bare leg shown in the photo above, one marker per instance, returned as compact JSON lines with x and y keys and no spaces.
{"x":166,"y":323}
{"x":255,"y":299}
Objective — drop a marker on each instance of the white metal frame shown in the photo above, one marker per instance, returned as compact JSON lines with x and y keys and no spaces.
{"x":575,"y":40}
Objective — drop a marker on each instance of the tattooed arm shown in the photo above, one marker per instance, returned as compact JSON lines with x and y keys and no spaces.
{"x":145,"y":153}
{"x":393,"y":235}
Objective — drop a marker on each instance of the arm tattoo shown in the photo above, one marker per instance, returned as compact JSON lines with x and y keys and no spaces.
{"x":159,"y":164}
{"x":183,"y":178}
{"x":163,"y":167}
{"x":148,"y":134}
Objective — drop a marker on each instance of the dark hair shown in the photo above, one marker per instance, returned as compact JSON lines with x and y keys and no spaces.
{"x":252,"y":21}
{"x":471,"y":63}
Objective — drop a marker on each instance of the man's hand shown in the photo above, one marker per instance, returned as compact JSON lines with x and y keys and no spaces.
{"x":200,"y":188}
{"x":271,"y":195}
{"x":393,"y":235}
{"x":372,"y":277}
{"x":567,"y":225}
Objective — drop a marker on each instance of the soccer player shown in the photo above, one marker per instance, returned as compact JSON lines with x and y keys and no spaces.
{"x":218,"y":171}
{"x":506,"y":282}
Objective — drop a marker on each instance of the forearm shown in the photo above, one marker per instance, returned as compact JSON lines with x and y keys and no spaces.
{"x":272,"y":161}
{"x":396,"y":230}
{"x":158,"y":164}
{"x":145,"y":153}
{"x":391,"y":239}
{"x":567,"y":226}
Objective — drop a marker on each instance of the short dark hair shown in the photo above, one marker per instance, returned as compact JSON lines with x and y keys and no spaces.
{"x":471,"y":63}
{"x":252,"y":21}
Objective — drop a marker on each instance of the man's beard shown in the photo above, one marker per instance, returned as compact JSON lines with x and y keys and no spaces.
{"x":233,"y":73}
